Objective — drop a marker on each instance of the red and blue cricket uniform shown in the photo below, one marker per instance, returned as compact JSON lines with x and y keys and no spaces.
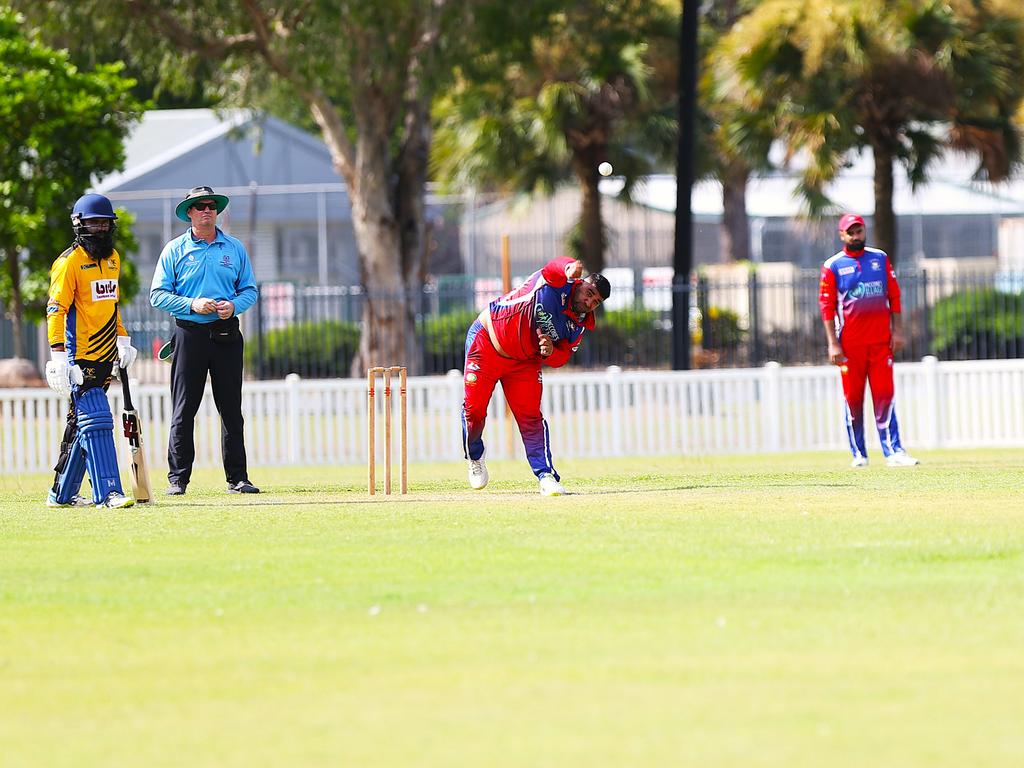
{"x":859,"y":293}
{"x":503,"y":345}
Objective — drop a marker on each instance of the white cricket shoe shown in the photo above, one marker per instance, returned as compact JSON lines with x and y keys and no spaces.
{"x":859,"y":462}
{"x":901,"y":459}
{"x":116,"y":500}
{"x":477,"y":474}
{"x":550,"y":487}
{"x":76,"y":501}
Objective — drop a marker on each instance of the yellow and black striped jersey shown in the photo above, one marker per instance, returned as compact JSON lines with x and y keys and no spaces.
{"x":82,"y":312}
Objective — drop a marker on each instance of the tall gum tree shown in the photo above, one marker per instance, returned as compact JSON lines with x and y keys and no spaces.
{"x":365,"y":72}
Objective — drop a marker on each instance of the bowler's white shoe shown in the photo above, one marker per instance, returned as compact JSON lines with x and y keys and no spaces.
{"x":859,"y":461}
{"x":901,"y":459}
{"x":477,"y":474}
{"x":116,"y":500}
{"x":550,"y":487}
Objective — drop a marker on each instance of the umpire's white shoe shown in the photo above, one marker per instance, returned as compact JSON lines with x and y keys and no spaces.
{"x":116,"y":500}
{"x":550,"y":487}
{"x":477,"y":474}
{"x":859,"y":461}
{"x":901,"y":459}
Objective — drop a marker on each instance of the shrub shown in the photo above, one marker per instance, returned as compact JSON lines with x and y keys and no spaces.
{"x":322,"y":349}
{"x":978,"y":323}
{"x":719,"y":330}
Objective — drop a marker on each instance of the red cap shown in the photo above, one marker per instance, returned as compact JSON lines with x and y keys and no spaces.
{"x":848,"y":220}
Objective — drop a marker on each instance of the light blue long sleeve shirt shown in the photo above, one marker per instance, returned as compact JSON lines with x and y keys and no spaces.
{"x":190,"y":268}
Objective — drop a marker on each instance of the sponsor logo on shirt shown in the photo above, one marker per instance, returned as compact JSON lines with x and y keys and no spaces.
{"x":847,"y":270}
{"x":90,"y":265}
{"x":104,"y":290}
{"x":871,"y":288}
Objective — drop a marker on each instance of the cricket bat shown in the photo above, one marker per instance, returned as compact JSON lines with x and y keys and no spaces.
{"x":141,"y":489}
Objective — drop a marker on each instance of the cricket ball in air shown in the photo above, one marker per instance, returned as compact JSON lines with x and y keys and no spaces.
{"x":605,"y":169}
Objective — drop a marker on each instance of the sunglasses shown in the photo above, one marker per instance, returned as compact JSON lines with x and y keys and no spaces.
{"x":205,"y":206}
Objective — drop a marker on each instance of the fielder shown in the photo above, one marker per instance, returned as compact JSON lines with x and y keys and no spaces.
{"x":860,"y":308}
{"x":87,"y":339}
{"x":540,"y":323}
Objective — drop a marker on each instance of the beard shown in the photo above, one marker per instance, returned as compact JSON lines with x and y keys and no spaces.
{"x":98,"y":246}
{"x":856,"y":245}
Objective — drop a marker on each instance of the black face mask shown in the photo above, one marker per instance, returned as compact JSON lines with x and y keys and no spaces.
{"x":99,"y":245}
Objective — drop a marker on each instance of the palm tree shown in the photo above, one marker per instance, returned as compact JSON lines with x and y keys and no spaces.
{"x":903,"y":78}
{"x":582,"y":93}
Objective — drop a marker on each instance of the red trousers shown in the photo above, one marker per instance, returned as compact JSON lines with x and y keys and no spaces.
{"x":521,"y":382}
{"x":871,"y":364}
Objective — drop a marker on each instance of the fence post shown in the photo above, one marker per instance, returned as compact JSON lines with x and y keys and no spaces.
{"x":932,"y":403}
{"x":705,"y":318}
{"x":771,"y":402}
{"x":614,"y":377}
{"x":755,"y":337}
{"x":259,"y":337}
{"x":294,"y":427}
{"x":926,"y":320}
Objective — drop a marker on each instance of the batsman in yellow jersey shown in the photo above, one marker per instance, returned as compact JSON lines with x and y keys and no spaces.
{"x":87,"y":339}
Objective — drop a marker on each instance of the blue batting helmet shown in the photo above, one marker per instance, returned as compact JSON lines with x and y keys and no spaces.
{"x":92,"y":206}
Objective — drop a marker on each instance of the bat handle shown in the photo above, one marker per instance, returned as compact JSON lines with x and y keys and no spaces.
{"x":126,"y":391}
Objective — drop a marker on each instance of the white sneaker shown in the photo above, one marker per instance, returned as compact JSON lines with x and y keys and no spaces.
{"x":901,"y":459}
{"x":550,"y":487}
{"x":116,"y":500}
{"x":859,"y":461}
{"x":76,"y":501}
{"x":477,"y":474}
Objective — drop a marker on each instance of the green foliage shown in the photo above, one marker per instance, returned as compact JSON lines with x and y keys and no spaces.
{"x":626,"y":337}
{"x":976,"y":323}
{"x":719,"y":329}
{"x":323,"y":349}
{"x":59,"y":129}
{"x":442,"y":333}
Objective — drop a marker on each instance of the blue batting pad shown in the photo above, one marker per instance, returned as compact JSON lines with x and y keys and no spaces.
{"x":69,"y":481}
{"x":96,"y":434}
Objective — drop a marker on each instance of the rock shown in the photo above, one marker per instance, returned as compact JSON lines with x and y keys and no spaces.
{"x":18,"y":372}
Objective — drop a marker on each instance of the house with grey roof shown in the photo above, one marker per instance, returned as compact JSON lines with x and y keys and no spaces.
{"x":288,"y":205}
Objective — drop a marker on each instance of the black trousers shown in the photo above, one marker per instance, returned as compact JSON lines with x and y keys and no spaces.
{"x":201,"y":348}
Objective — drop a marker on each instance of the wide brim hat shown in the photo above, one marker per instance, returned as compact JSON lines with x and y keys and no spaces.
{"x":199,"y":193}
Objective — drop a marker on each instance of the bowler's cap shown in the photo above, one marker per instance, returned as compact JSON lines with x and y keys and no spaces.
{"x":199,"y":193}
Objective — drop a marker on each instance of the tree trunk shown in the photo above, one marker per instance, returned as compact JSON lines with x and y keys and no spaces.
{"x":16,"y":310}
{"x":387,"y":322}
{"x":591,"y":219}
{"x":885,"y":219}
{"x":735,"y":224}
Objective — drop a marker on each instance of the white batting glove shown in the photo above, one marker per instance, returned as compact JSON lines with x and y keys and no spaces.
{"x":57,"y":373}
{"x":126,"y":353}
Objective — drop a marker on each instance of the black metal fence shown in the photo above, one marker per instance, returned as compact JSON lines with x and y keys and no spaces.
{"x":314,"y":331}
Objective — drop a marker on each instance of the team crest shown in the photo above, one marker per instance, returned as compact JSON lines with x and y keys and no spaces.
{"x":875,"y":264}
{"x":225,"y":260}
{"x":471,"y":378}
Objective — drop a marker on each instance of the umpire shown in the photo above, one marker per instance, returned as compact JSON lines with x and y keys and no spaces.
{"x":205,"y":280}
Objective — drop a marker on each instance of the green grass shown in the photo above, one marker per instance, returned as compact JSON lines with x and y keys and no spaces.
{"x":766,"y":611}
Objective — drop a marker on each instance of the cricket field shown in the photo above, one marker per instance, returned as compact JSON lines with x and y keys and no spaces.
{"x":743,"y":611}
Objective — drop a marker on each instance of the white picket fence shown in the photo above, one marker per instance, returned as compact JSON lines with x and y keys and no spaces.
{"x":606,"y":414}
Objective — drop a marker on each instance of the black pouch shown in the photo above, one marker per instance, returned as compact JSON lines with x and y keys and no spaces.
{"x":226,"y":334}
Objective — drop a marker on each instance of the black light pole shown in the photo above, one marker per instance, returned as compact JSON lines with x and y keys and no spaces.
{"x":682,"y":257}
